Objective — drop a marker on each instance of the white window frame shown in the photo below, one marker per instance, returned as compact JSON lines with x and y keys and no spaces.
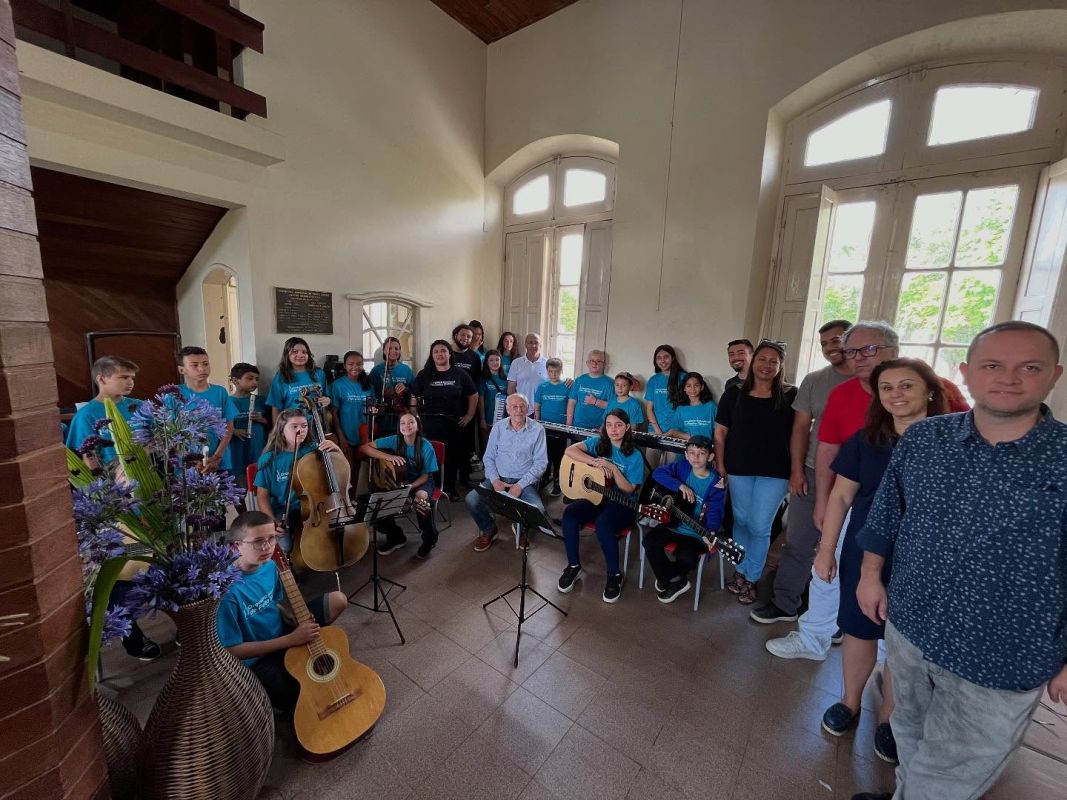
{"x":419,"y":329}
{"x":555,"y":168}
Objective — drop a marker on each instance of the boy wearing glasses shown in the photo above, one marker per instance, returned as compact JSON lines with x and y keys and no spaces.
{"x":250,"y":623}
{"x":590,"y":394}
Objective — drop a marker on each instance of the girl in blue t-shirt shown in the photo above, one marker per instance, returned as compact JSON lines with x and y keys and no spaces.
{"x":287,"y":444}
{"x":409,"y":448}
{"x":392,"y":381}
{"x":662,"y":388}
{"x":614,"y":453}
{"x":493,"y":383}
{"x":694,"y":412}
{"x":508,"y":347}
{"x":624,"y":382}
{"x":296,"y":369}
{"x":348,"y":394}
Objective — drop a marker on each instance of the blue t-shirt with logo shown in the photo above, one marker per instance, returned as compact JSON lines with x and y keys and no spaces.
{"x":215,"y":395}
{"x":396,"y":443}
{"x":700,"y":488}
{"x":247,"y":451}
{"x":602,"y":388}
{"x":285,"y":394}
{"x":347,"y":398}
{"x":552,"y":397}
{"x":632,"y":466}
{"x":272,"y":474}
{"x":656,"y":391}
{"x":81,"y":426}
{"x":631,"y":405}
{"x":248,"y":612}
{"x":696,"y":420}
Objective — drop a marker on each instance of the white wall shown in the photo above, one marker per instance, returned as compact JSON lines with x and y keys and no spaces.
{"x":691,"y":247}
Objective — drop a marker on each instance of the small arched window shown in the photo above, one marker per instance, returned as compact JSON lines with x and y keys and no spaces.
{"x":565,"y":188}
{"x":385,"y":318}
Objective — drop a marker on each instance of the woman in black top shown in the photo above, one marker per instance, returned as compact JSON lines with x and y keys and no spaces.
{"x":449,"y":401}
{"x":752,"y":430}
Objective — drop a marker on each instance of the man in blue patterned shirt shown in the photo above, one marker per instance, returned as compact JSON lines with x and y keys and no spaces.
{"x":973,"y":512}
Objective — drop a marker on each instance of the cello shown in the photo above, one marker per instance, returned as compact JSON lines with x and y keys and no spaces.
{"x":331,"y":538}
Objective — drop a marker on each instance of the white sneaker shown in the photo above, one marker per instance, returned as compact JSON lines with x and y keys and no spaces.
{"x":792,"y":646}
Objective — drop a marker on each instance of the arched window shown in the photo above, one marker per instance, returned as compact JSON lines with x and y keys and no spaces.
{"x":909,"y":198}
{"x":557,"y":254}
{"x":385,"y":318}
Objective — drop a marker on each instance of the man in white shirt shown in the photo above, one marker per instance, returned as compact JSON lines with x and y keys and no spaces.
{"x":529,"y":371}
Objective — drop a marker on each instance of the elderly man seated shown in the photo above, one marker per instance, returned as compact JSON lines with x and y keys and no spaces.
{"x":514,"y":459}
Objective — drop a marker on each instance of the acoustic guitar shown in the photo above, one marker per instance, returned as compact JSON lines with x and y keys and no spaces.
{"x":681,"y":510}
{"x":585,"y":482}
{"x":340,"y":698}
{"x":384,"y":476}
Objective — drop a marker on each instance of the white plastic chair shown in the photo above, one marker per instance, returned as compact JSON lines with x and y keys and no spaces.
{"x":643,"y":524}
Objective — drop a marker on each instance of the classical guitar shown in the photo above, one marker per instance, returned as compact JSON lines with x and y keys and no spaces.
{"x":383,"y":476}
{"x":340,"y":699}
{"x":680,"y":509}
{"x":586,"y":482}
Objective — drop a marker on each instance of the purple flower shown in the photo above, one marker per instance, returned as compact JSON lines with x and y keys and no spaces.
{"x":100,"y":424}
{"x":184,"y":578}
{"x":171,"y":425}
{"x":98,"y":506}
{"x":118,"y":624}
{"x":202,"y":497}
{"x":90,"y":444}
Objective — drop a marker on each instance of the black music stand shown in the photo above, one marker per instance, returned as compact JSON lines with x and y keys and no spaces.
{"x":530,"y":519}
{"x":382,"y":505}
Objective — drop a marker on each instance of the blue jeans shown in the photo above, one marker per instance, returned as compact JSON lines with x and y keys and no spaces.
{"x":755,"y":500}
{"x":610,"y":518}
{"x":481,"y":514}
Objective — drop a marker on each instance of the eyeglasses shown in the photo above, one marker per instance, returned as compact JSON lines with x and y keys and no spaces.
{"x":261,"y":544}
{"x":866,"y":350}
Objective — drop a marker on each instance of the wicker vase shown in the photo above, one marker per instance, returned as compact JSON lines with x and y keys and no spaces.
{"x":211,"y":730}
{"x":122,"y":740}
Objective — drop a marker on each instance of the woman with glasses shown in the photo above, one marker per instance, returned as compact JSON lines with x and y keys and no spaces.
{"x":753,"y":426}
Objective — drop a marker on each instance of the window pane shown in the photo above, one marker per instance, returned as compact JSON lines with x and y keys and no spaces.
{"x":933,"y":230}
{"x":948,"y":366}
{"x":987,"y":217}
{"x":917,"y":351}
{"x":570,"y":259}
{"x":841,"y":299}
{"x":581,"y":186}
{"x":971,"y":301}
{"x":919,"y":306}
{"x":963,"y":113}
{"x":532,"y":197}
{"x":567,"y":313}
{"x":851,"y":242}
{"x":857,"y":134}
{"x":565,"y":352}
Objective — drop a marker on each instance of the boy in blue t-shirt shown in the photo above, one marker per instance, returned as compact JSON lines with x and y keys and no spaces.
{"x":550,"y":405}
{"x":250,"y":623}
{"x":248,"y":440}
{"x":114,"y":377}
{"x":195,"y":368}
{"x":590,"y":394}
{"x":674,"y":550}
{"x":624,"y":383}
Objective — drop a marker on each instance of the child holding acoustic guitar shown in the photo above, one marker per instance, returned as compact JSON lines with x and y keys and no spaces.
{"x":249,"y":621}
{"x":410,"y":451}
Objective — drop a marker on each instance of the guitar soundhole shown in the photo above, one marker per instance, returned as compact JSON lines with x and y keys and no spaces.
{"x":323,"y":665}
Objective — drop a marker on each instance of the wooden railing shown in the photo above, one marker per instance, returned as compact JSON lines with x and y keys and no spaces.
{"x":185,"y":48}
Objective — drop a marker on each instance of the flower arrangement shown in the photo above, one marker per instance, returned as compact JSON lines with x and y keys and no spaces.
{"x":152,"y":504}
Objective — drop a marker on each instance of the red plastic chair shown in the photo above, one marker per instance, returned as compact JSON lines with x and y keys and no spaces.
{"x":438,"y":483}
{"x":250,"y":482}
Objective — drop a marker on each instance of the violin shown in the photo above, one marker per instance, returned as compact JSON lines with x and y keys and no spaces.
{"x":395,"y":401}
{"x":330,"y":538}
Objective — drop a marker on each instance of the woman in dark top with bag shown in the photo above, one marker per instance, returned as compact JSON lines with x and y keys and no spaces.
{"x":906,"y":391}
{"x":752,"y":429}
{"x":447,"y":401}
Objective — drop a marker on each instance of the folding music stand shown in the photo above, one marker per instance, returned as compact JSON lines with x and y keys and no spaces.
{"x":382,"y":505}
{"x":530,"y":519}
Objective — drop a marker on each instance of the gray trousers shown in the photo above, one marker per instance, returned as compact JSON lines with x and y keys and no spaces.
{"x":953,"y":737}
{"x":798,"y":553}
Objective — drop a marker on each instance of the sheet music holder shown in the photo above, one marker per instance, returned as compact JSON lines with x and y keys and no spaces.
{"x":382,"y":505}
{"x":530,"y":519}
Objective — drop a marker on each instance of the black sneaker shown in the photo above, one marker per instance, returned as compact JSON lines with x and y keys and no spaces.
{"x":659,"y":586}
{"x":885,"y":744}
{"x":555,"y":491}
{"x":674,"y":590}
{"x":424,"y":550}
{"x":873,"y":796}
{"x":569,"y":577}
{"x":613,"y":588}
{"x":148,"y":651}
{"x":766,"y":614}
{"x":839,"y":719}
{"x":392,"y":544}
{"x":838,"y":637}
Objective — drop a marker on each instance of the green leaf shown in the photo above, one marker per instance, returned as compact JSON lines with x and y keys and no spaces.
{"x":105,"y":582}
{"x":79,"y":475}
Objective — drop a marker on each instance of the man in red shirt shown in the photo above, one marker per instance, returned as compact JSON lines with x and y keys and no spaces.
{"x":866,"y":344}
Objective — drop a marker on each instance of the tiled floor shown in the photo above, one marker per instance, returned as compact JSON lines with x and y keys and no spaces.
{"x":631,"y":700}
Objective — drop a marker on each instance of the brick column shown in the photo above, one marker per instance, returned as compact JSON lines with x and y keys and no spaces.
{"x":50,"y":744}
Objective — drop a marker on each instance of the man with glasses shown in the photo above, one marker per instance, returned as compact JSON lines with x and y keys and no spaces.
{"x":590,"y":393}
{"x":794,"y":566}
{"x":249,"y":621}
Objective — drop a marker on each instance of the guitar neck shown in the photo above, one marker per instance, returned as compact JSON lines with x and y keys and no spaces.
{"x":301,"y":612}
{"x":611,"y":493}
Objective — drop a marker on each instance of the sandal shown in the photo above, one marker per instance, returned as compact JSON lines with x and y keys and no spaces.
{"x":747,"y":595}
{"x":736,"y":584}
